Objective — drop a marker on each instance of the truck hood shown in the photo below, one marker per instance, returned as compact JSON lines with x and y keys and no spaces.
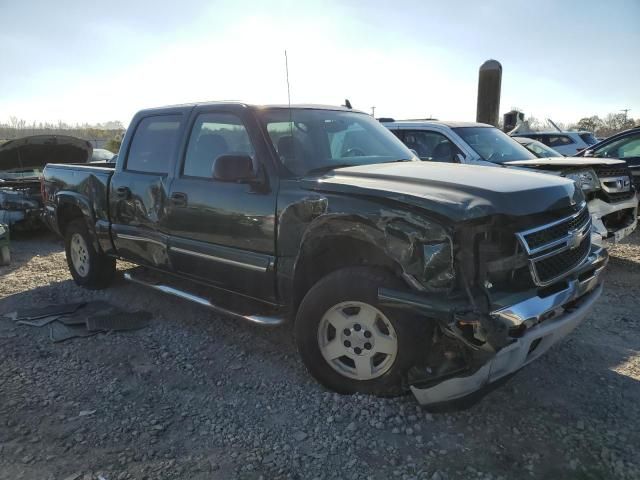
{"x":36,"y":151}
{"x":562,"y":163}
{"x":457,"y":192}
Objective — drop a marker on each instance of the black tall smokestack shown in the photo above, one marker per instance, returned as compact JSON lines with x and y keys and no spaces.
{"x":489,"y":83}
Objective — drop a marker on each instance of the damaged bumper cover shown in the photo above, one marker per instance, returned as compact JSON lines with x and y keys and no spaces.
{"x":612,"y":221}
{"x":541,"y":320}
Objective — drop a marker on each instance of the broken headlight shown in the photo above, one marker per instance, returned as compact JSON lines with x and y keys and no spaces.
{"x":586,"y":179}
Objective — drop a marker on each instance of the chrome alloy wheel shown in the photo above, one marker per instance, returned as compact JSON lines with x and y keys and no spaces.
{"x":357,"y":340}
{"x":79,"y":255}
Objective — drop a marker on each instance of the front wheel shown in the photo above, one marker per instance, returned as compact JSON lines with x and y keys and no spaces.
{"x":349,"y":342}
{"x":89,"y":268}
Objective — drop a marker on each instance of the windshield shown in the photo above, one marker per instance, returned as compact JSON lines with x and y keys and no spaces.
{"x":588,"y":138}
{"x":309,"y":140}
{"x":540,"y":150}
{"x":493,"y":145}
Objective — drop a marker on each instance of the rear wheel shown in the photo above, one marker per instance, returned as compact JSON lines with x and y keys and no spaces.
{"x":349,"y":342}
{"x":88,"y":268}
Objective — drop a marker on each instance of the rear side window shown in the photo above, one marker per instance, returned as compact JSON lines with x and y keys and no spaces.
{"x":154,"y":143}
{"x":557,"y":140}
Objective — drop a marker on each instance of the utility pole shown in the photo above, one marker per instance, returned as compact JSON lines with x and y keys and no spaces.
{"x":373,"y":112}
{"x":625,"y":110}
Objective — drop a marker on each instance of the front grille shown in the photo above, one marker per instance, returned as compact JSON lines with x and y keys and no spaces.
{"x":557,"y":248}
{"x":618,"y":196}
{"x":555,"y":266}
{"x":608,"y":194}
{"x":556,"y":231}
{"x":614,"y":171}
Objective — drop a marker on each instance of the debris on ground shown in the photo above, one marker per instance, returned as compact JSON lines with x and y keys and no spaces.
{"x":81,"y":319}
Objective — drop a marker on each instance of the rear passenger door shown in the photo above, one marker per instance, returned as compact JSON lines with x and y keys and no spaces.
{"x":139,"y":189}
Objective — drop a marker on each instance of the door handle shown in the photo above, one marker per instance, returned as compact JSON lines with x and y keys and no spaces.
{"x":179,"y":199}
{"x":123,"y":192}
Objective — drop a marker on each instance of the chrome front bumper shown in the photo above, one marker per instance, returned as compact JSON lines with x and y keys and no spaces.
{"x":548,"y":320}
{"x":599,"y":209}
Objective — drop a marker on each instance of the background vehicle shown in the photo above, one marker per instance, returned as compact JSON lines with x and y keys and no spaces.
{"x":539,"y":149}
{"x":21,"y":164}
{"x":400,"y":274}
{"x":606,"y":183}
{"x":566,"y":143}
{"x":102,"y":155}
{"x":625,"y":146}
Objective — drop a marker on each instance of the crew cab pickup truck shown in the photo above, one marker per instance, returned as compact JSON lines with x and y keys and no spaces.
{"x":397,"y":274}
{"x":606,"y":183}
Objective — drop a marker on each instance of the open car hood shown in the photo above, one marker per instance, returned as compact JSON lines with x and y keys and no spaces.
{"x":561,"y":163}
{"x":458,"y":192}
{"x":38,"y":150}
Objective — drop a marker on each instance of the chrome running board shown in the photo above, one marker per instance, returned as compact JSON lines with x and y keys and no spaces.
{"x":263,"y":320}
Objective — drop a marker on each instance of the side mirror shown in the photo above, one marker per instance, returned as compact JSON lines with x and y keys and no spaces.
{"x":458,"y":158}
{"x":414,"y":152}
{"x":233,"y":168}
{"x":588,"y":153}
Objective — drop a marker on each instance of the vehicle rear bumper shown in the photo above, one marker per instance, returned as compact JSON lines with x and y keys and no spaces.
{"x":551,"y":318}
{"x":623,"y":223}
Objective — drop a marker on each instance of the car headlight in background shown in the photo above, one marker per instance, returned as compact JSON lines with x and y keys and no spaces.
{"x":586,"y":179}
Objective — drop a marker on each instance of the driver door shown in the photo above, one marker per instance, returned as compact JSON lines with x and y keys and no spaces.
{"x":222,"y":233}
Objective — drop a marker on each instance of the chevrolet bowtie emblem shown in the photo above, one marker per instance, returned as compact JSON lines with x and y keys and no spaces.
{"x":574,"y":239}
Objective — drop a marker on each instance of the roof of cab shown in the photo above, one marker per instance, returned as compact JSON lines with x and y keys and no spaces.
{"x":238,"y":104}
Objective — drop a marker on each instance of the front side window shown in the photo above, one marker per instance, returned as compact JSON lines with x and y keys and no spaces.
{"x":310,"y":140}
{"x":431,"y":146}
{"x":154,"y":143}
{"x":493,"y":145}
{"x":628,"y":147}
{"x":215,"y":134}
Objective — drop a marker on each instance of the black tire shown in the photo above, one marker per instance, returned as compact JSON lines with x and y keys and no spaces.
{"x":359,"y":284}
{"x":100,"y":268}
{"x":5,"y":256}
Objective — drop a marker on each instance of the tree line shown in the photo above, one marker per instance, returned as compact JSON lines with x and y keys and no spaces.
{"x":601,"y":127}
{"x":101,"y":135}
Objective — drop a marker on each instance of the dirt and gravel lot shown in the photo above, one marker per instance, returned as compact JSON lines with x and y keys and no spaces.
{"x":194,"y":396}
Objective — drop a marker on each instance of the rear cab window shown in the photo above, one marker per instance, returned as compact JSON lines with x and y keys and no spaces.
{"x":154,"y":144}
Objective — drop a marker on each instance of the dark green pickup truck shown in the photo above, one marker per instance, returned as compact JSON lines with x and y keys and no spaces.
{"x":397,"y":274}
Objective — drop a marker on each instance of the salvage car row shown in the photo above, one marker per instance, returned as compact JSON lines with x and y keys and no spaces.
{"x":440,"y":276}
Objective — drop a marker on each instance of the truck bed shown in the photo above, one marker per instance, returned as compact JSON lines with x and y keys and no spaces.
{"x":83,"y":186}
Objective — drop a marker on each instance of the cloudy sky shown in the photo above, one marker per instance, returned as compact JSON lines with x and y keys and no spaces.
{"x":80,"y":61}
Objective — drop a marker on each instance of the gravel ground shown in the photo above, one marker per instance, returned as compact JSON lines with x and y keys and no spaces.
{"x":195,"y":396}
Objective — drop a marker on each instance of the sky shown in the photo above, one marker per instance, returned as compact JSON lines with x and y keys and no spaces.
{"x":79,"y":61}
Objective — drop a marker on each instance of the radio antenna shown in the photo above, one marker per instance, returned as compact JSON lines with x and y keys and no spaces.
{"x":286,"y":68}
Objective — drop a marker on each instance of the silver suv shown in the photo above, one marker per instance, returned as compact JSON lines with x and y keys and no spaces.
{"x":606,"y":183}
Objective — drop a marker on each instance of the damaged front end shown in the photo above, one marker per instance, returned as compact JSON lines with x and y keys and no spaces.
{"x":21,"y":205}
{"x":510,"y":288}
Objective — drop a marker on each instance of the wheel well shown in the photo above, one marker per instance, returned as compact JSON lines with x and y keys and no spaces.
{"x":334,"y":253}
{"x":67,"y":212}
